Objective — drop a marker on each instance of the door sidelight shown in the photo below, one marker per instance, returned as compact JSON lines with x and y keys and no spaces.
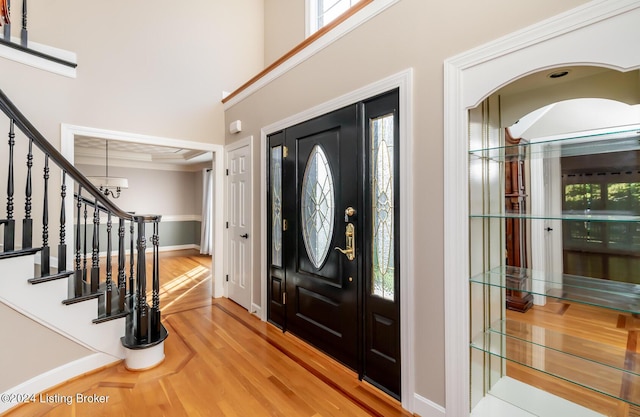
{"x":350,"y":251}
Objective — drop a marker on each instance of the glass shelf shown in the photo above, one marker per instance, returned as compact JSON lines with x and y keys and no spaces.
{"x":600,"y":353}
{"x":614,"y":295}
{"x":592,"y":216}
{"x":589,"y":372}
{"x":624,"y":140}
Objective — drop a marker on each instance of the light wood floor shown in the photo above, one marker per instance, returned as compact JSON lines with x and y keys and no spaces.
{"x":220,"y":361}
{"x":605,"y":336}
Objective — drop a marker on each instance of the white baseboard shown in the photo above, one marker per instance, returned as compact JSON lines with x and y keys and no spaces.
{"x":427,"y":408}
{"x":160,"y":249}
{"x":257,"y":310}
{"x":56,"y":376}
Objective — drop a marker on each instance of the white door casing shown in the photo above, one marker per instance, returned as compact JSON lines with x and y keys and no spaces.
{"x":239,"y":233}
{"x":68,"y":133}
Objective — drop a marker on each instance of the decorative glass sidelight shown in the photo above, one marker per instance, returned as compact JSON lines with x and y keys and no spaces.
{"x":382,"y":219}
{"x":317,"y":206}
{"x":276,"y":206}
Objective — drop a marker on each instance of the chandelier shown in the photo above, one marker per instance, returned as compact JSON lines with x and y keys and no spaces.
{"x":109,"y":186}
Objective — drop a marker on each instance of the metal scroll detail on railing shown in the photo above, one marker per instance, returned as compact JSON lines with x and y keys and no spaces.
{"x":116,"y":299}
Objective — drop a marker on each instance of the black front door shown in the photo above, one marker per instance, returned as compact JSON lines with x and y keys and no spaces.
{"x":332,"y":209}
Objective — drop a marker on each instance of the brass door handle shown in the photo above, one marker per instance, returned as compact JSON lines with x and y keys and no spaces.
{"x":350,"y":251}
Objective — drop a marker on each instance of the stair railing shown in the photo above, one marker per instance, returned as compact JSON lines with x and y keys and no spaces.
{"x":143,"y":322}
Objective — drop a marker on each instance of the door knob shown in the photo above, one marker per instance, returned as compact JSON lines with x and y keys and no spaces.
{"x":245,"y":236}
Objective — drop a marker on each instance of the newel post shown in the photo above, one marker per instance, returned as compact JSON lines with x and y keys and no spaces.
{"x":144,"y":339}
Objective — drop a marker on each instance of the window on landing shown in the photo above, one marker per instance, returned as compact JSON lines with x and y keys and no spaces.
{"x":322,"y":12}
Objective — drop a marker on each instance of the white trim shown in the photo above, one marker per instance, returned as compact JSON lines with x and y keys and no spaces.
{"x":309,"y":12}
{"x":67,"y":139}
{"x":181,"y":218}
{"x":171,"y":248}
{"x":38,"y":62}
{"x":137,"y":138}
{"x":404,"y":81}
{"x":427,"y":408}
{"x":566,"y":39}
{"x":256,"y":309}
{"x":144,"y":359}
{"x":512,"y":398}
{"x":146,"y":165}
{"x":248,"y":141}
{"x":58,"y":375}
{"x":362,"y":16}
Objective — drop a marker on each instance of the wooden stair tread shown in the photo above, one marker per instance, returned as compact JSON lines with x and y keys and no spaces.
{"x":49,"y":277}
{"x":19,"y":252}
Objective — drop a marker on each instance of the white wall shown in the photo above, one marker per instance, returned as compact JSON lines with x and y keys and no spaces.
{"x":32,"y":349}
{"x":168,"y":193}
{"x":283,"y":27}
{"x":157,"y":70}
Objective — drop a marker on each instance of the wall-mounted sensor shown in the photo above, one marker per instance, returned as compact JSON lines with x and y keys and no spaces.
{"x":235,"y":127}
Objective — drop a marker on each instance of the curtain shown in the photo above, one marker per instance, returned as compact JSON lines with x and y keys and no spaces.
{"x":206,"y":230}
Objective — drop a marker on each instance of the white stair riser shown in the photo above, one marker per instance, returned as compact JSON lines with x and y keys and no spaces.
{"x":43,"y":303}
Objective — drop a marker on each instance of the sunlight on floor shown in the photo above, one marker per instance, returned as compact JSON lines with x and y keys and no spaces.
{"x":182,"y":285}
{"x":184,"y":280}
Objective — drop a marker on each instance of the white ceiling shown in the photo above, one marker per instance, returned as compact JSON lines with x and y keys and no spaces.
{"x":92,"y":151}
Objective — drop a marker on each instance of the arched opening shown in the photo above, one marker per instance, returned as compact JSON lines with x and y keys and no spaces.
{"x":554,"y":209}
{"x":471,"y":79}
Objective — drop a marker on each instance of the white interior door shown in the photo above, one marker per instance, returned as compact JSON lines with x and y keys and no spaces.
{"x":239,"y":225}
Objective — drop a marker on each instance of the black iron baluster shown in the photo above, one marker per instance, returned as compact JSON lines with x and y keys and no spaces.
{"x":7,"y":26}
{"x":78,"y":277}
{"x":27,"y":222}
{"x":155,"y":300}
{"x":23,"y":32}
{"x":122,"y":279}
{"x":62,"y":246}
{"x":142,"y":309}
{"x":109,"y":284}
{"x":45,"y":251}
{"x":132,"y":289}
{"x":95,"y":262}
{"x":84,"y":257}
{"x":10,"y":223}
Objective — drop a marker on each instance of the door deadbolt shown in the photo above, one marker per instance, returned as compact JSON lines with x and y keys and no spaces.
{"x":349,"y":212}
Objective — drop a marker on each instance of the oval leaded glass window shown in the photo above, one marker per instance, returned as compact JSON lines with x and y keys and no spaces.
{"x":317,"y":207}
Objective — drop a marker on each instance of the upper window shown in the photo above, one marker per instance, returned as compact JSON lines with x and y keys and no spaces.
{"x":321,"y":12}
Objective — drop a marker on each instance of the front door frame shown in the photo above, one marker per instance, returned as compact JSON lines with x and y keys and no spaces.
{"x":563,"y":40}
{"x":404,"y":81}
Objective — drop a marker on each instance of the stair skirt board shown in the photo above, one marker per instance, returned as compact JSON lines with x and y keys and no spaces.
{"x":43,"y":304}
{"x":57,"y":376}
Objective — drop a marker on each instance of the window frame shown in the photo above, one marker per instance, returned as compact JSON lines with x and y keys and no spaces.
{"x":311,"y":16}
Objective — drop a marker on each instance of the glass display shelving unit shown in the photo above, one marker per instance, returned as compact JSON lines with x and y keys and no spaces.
{"x":544,"y":338}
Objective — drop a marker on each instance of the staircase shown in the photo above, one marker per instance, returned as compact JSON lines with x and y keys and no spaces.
{"x":98,"y":303}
